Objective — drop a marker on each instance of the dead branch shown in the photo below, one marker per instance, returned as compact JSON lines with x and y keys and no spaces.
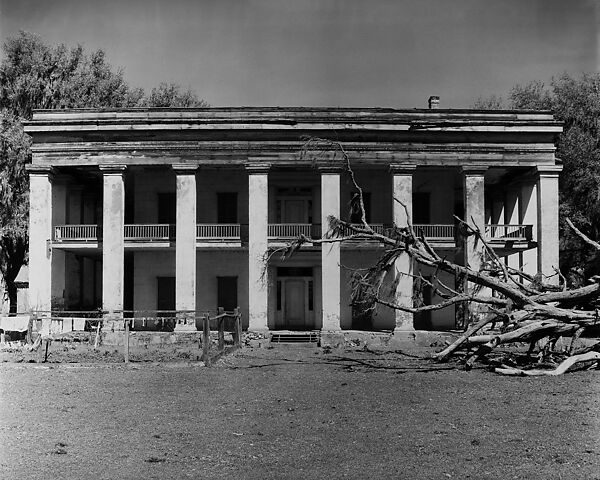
{"x":562,"y":368}
{"x":529,"y":308}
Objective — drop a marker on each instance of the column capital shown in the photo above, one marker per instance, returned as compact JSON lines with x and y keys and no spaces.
{"x":110,"y":169}
{"x":548,"y":170}
{"x":184,"y":168}
{"x":258,"y":168}
{"x":402,"y":168}
{"x":473,"y":170}
{"x":43,"y":170}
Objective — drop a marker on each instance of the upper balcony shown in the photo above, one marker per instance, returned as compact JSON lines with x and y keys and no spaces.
{"x":234,"y":235}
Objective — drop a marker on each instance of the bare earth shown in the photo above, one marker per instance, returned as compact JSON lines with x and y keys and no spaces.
{"x":295,"y":413}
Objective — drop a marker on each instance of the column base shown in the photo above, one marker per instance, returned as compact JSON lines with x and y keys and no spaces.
{"x":404,"y":322}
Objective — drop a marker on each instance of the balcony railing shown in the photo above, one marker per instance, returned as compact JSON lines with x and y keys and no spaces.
{"x":509,"y":232}
{"x":293,"y":230}
{"x":76,"y":233}
{"x":277,"y":231}
{"x":149,"y":232}
{"x":376,"y":227}
{"x":436,"y":231}
{"x":218,"y":231}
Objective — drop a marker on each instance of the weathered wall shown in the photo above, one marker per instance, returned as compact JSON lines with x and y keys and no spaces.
{"x":209,"y":264}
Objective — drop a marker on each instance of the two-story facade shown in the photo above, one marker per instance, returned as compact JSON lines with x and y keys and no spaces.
{"x":152,"y":210}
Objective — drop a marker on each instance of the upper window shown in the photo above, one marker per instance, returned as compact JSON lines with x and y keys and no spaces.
{"x":227,"y":207}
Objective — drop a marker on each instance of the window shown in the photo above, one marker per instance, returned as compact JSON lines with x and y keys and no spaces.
{"x":227,"y":293}
{"x":421,"y":208}
{"x":355,"y":214}
{"x":227,"y":207}
{"x":167,"y":208}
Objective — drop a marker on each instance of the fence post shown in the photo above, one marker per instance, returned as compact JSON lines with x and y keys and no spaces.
{"x":126,"y":341}
{"x":237,"y":327}
{"x":206,"y":339}
{"x":97,"y":339}
{"x":221,"y":327}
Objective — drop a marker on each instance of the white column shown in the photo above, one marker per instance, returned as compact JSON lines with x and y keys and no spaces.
{"x":185,"y":247}
{"x":40,"y":238}
{"x":474,"y":201}
{"x":548,"y":261}
{"x":330,"y":252}
{"x":402,"y":191}
{"x":528,"y":201}
{"x":113,"y":244}
{"x":258,"y":208}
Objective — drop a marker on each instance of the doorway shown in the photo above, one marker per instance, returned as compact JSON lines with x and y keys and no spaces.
{"x":295,"y":298}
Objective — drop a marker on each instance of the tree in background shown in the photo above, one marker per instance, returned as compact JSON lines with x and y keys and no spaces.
{"x":576,"y":102}
{"x":170,"y":95}
{"x":35,"y":75}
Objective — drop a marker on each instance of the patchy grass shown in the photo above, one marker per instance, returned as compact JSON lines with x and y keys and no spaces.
{"x":287,"y":413}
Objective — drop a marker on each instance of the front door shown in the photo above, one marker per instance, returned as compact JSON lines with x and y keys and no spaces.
{"x":295,"y":295}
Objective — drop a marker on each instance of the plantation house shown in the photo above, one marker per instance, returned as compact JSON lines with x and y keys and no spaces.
{"x":156,"y":210}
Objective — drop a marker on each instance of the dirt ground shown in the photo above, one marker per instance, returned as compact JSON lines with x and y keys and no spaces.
{"x":294,"y":413}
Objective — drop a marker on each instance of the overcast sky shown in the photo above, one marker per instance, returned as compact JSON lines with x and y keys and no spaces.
{"x":332,"y":53}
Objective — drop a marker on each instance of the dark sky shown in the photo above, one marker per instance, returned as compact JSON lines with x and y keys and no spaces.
{"x":334,"y":53}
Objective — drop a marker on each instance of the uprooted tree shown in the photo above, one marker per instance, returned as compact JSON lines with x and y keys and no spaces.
{"x":513,"y":305}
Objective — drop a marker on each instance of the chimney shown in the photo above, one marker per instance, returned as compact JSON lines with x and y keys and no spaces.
{"x":434,"y":102}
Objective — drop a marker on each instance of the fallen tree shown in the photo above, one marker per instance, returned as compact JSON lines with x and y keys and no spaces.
{"x":528,"y":308}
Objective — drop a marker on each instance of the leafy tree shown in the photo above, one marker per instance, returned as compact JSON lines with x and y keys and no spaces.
{"x":576,"y":102}
{"x":14,"y":201}
{"x":35,"y":75}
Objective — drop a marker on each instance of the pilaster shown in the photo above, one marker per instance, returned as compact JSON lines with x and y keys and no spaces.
{"x":113,"y":244}
{"x":402,"y":203}
{"x":330,"y":252}
{"x":258,"y":207}
{"x":40,"y":239}
{"x":185,"y":247}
